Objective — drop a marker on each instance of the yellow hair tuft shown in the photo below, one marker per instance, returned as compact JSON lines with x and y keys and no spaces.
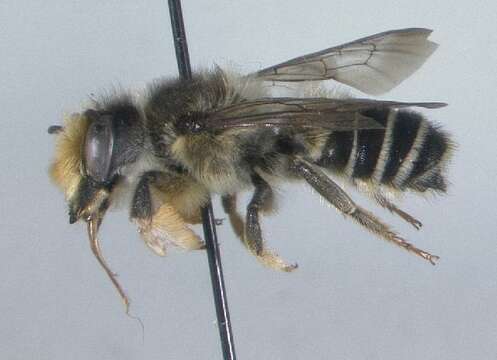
{"x":65,"y":169}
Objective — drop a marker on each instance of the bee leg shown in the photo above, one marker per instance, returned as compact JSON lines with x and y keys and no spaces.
{"x":160,"y":226}
{"x":236,"y":221}
{"x":384,"y":202}
{"x":339,"y":198}
{"x":141,"y":215}
{"x":252,"y":235}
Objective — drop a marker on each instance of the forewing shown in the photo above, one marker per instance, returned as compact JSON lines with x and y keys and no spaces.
{"x":374,"y":64}
{"x":302,"y":113}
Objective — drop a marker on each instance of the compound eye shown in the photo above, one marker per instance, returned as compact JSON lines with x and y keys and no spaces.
{"x":98,"y":148}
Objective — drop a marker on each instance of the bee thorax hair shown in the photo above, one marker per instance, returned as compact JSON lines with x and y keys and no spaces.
{"x":214,"y":159}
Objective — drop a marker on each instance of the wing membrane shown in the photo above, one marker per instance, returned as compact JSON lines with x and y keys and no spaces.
{"x":374,"y":64}
{"x":303,"y":113}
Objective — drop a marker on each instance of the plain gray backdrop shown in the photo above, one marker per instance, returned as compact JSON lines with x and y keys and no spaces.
{"x":353,"y":297}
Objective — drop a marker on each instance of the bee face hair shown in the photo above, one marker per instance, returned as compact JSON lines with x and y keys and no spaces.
{"x":66,"y":168}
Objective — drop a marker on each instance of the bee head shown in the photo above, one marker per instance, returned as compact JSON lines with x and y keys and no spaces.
{"x":91,"y":149}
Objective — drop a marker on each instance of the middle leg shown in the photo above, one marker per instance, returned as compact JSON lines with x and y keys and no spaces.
{"x":250,"y":231}
{"x":263,"y":196}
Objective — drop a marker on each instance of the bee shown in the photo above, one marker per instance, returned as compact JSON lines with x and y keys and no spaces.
{"x":221,"y":133}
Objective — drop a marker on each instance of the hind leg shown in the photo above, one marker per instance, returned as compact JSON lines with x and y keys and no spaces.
{"x":384,"y":202}
{"x":250,"y":232}
{"x":339,"y":198}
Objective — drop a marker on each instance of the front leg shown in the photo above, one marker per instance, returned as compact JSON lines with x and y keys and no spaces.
{"x":163,"y":225}
{"x":141,"y":214}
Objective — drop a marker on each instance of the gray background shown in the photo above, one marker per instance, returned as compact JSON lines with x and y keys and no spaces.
{"x":354,"y":296}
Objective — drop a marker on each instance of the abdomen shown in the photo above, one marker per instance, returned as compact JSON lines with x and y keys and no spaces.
{"x":410,"y":153}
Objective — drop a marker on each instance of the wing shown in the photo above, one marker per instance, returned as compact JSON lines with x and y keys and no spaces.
{"x":374,"y":64}
{"x":298,"y":113}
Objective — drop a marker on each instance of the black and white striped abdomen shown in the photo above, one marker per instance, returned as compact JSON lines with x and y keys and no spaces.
{"x":409,"y":153}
